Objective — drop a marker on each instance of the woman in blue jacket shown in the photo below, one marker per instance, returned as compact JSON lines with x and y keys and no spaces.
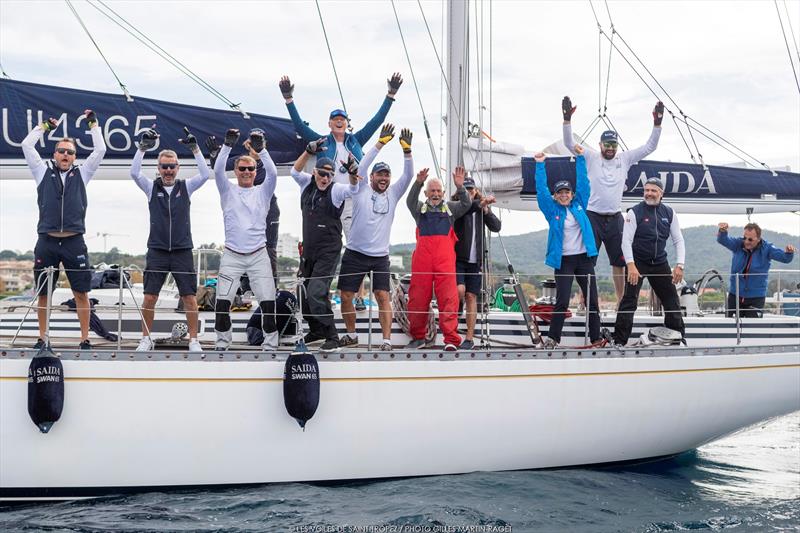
{"x":570,"y":243}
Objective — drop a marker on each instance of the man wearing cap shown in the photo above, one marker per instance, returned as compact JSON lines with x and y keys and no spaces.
{"x":608,"y":171}
{"x":469,"y":252}
{"x":321,"y":204}
{"x":244,"y":210}
{"x":169,"y":246}
{"x":433,"y":263}
{"x":61,"y":196}
{"x":648,"y":225}
{"x":367,"y":249}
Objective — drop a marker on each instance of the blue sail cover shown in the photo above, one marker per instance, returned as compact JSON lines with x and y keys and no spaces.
{"x":26,"y":104}
{"x":687,"y":183}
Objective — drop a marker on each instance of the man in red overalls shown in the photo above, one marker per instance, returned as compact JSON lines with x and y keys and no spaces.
{"x":433,"y":264}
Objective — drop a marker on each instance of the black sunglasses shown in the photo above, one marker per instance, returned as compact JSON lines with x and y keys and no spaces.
{"x":67,"y":151}
{"x":324,"y":173}
{"x":750,"y":239}
{"x":242,"y":169}
{"x":168,"y":166}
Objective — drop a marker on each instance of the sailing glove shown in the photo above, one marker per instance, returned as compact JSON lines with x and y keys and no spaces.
{"x":394,"y":83}
{"x":190,"y":140}
{"x":286,"y":87}
{"x":148,"y":139}
{"x":567,"y":109}
{"x":213,"y":149}
{"x":387,"y":134}
{"x":231,"y":137}
{"x":658,"y":113}
{"x":91,"y":118}
{"x":315,"y":147}
{"x":257,"y":141}
{"x":405,"y":140}
{"x":50,"y":124}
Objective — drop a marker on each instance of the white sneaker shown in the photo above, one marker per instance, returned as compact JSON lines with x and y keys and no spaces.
{"x":270,"y":343}
{"x":194,"y":346}
{"x":145,"y":345}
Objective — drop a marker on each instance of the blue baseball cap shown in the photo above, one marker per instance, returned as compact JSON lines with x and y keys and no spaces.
{"x":256,"y":131}
{"x":381,"y":167}
{"x":325,"y":163}
{"x":338,"y":113}
{"x":609,"y":136}
{"x":563,"y":184}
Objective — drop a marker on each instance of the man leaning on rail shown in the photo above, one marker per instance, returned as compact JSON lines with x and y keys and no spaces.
{"x":169,"y":245}
{"x":244,"y":211}
{"x":62,"y":200}
{"x":608,"y":171}
{"x":648,"y":225}
{"x":752,"y":258}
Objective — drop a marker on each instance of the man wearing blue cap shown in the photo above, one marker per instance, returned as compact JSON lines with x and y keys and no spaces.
{"x":648,"y":225}
{"x":608,"y":171}
{"x":321,"y":202}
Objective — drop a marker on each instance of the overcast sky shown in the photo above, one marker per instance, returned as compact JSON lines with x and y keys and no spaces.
{"x":725,"y":63}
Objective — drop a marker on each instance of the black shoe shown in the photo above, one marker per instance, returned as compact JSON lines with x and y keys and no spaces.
{"x":346,"y":340}
{"x":39,"y":344}
{"x":85,"y":345}
{"x":360,"y":305}
{"x":467,"y":344}
{"x":330,"y":345}
{"x":416,"y":344}
{"x":312,"y":338}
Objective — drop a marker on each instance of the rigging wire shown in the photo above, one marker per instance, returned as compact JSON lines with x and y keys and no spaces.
{"x":3,"y":72}
{"x":791,"y":30}
{"x":330,"y":54}
{"x":419,"y":97}
{"x":441,"y":83}
{"x":786,"y":42}
{"x":85,"y":29}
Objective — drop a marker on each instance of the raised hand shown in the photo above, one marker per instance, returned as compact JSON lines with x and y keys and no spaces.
{"x":257,"y":140}
{"x":488,"y":200}
{"x":231,"y":137}
{"x":394,"y":83}
{"x":212,"y":145}
{"x":422,"y":175}
{"x":148,"y":139}
{"x":315,"y":147}
{"x":458,"y":177}
{"x":578,"y":149}
{"x":405,"y":140}
{"x":287,"y":89}
{"x":386,"y":135}
{"x":91,"y":118}
{"x":50,"y":124}
{"x":723,"y":227}
{"x":567,"y":109}
{"x":789,"y":249}
{"x":190,"y":140}
{"x":658,"y":113}
{"x":351,"y":165}
{"x":539,"y":157}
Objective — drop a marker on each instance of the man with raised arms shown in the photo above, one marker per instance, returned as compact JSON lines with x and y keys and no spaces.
{"x":433,"y":264}
{"x":321,"y":202}
{"x":62,"y":200}
{"x":608,"y":171}
{"x":367,"y":249}
{"x":169,"y":246}
{"x":244,"y":210}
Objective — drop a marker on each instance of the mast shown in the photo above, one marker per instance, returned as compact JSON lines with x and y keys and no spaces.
{"x":458,"y":82}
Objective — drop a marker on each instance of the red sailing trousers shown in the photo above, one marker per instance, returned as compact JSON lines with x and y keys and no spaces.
{"x":433,"y":267}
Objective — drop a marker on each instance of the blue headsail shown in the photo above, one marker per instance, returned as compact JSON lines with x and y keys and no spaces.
{"x":26,"y":104}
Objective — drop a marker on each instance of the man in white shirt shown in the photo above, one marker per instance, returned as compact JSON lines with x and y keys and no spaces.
{"x":169,"y":245}
{"x":367,"y":248}
{"x":244,"y":210}
{"x":62,"y":201}
{"x":608,"y":171}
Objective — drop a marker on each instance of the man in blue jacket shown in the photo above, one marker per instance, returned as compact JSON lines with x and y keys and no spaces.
{"x":752,"y":257}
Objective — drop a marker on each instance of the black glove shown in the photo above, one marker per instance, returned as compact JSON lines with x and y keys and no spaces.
{"x":257,"y":141}
{"x":286,"y":87}
{"x":91,"y":118}
{"x":405,"y":140}
{"x":394,"y":83}
{"x":351,"y":165}
{"x":190,"y":140}
{"x":148,"y":139}
{"x":567,"y":108}
{"x":231,"y":137}
{"x":213,"y":149}
{"x":50,"y":124}
{"x":315,"y":147}
{"x":658,"y":113}
{"x":387,"y":134}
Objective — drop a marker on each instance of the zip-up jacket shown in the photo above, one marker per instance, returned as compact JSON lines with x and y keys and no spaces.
{"x":647,"y":228}
{"x":556,"y":214}
{"x":466,"y":234}
{"x":752,"y":267}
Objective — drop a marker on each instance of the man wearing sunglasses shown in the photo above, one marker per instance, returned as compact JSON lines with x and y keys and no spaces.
{"x":169,"y":246}
{"x":367,"y":249}
{"x":61,"y":196}
{"x":244,"y":211}
{"x":321,"y":202}
{"x":648,"y":225}
{"x":752,"y":258}
{"x":608,"y":171}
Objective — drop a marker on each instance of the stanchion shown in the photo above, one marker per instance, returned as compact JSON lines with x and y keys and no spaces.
{"x":588,"y":308}
{"x":119,"y":309}
{"x":371,"y":299}
{"x":49,"y":304}
{"x":738,"y":320}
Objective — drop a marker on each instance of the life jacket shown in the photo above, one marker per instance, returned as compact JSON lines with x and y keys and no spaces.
{"x":170,"y":224}
{"x":62,"y":205}
{"x":322,"y":225}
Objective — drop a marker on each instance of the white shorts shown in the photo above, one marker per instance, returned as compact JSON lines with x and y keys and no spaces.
{"x":257,"y":268}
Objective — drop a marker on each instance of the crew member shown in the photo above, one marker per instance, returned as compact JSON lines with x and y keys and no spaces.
{"x":61,"y":196}
{"x":648,"y":225}
{"x":169,"y":246}
{"x":752,"y":258}
{"x":321,"y":202}
{"x":367,"y":249}
{"x":570,"y":244}
{"x":470,"y":248}
{"x":608,"y":171}
{"x":244,"y":209}
{"x":433,"y":263}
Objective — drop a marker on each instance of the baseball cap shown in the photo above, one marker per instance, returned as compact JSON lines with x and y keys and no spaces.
{"x":256,"y":131}
{"x":469,"y":183}
{"x":563,"y":184}
{"x":338,"y":113}
{"x":655,"y":181}
{"x":608,"y":136}
{"x":325,"y":162}
{"x":381,"y":167}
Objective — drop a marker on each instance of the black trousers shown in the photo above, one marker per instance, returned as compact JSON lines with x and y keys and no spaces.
{"x":316,"y":302}
{"x":660,"y":278}
{"x":578,"y":266}
{"x":748,"y":307}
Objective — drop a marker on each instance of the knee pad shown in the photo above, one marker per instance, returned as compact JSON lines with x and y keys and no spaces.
{"x":222,"y":316}
{"x":267,"y":315}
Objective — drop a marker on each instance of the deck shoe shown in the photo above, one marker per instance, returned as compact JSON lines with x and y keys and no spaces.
{"x":221,"y":345}
{"x":359,"y":304}
{"x":450,"y":347}
{"x":39,"y":344}
{"x":386,"y":346}
{"x":194,"y":346}
{"x":330,"y":345}
{"x":548,"y":343}
{"x":270,"y":343}
{"x":348,"y":340}
{"x":416,"y":344}
{"x":85,"y":345}
{"x":467,"y":344}
{"x":145,"y":345}
{"x":312,"y":338}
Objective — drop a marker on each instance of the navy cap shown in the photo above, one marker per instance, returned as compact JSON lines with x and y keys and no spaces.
{"x":608,"y":136}
{"x":655,"y":181}
{"x":256,"y":130}
{"x":381,"y":167}
{"x":325,"y":162}
{"x":338,"y":113}
{"x":469,"y":183}
{"x":563,"y":184}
